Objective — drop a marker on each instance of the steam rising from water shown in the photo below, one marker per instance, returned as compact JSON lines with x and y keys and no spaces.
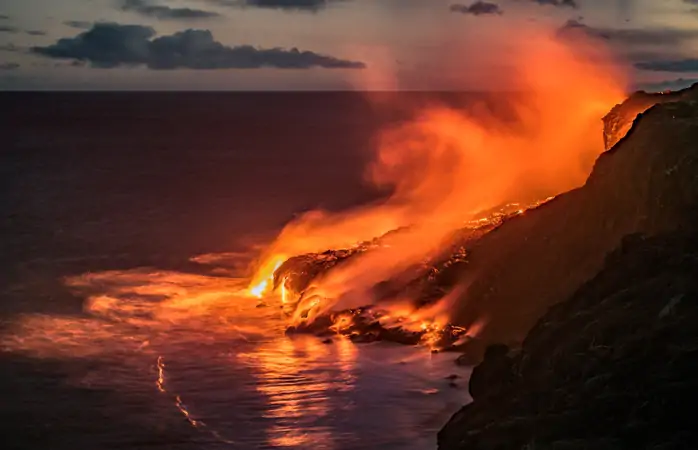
{"x":445,"y":165}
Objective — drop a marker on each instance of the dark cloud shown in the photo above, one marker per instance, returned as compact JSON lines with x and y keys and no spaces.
{"x":675,"y":65}
{"x":4,"y":17}
{"x":79,"y":24}
{"x":6,"y":29}
{"x":672,"y":85}
{"x":567,"y":3}
{"x":108,"y":45}
{"x":9,"y":66}
{"x":477,"y":9}
{"x":36,"y":32}
{"x":632,"y":36}
{"x":104,"y":45}
{"x":146,"y":8}
{"x":288,"y":5}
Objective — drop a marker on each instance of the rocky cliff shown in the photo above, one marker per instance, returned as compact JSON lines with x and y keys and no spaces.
{"x":646,"y":184}
{"x":614,"y":362}
{"x":613,"y":367}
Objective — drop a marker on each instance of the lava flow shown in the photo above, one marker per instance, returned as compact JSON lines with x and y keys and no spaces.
{"x":448,"y":169}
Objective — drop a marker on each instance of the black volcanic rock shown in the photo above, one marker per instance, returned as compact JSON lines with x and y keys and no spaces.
{"x":494,"y":373}
{"x":620,"y":119}
{"x":615,"y":366}
{"x":646,"y":184}
{"x":363,"y":326}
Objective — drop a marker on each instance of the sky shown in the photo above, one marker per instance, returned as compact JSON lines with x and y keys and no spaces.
{"x":319,"y":44}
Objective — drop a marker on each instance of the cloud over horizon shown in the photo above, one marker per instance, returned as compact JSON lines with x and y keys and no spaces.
{"x":562,"y":3}
{"x":109,"y":45}
{"x":150,"y":9}
{"x":477,"y":9}
{"x":287,"y":5}
{"x":79,"y":24}
{"x":632,"y":36}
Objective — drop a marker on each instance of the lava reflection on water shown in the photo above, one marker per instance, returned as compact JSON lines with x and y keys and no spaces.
{"x":297,"y":392}
{"x":201,"y":350}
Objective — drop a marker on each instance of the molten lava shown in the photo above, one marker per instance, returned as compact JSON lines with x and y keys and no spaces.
{"x":264,"y":283}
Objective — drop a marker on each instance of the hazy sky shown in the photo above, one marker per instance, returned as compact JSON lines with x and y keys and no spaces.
{"x":314,"y":44}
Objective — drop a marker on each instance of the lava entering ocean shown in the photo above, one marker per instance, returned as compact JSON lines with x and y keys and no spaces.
{"x":445,"y":167}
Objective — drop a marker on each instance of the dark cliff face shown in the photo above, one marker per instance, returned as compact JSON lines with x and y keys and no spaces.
{"x":613,"y":362}
{"x":611,"y":368}
{"x":646,"y":184}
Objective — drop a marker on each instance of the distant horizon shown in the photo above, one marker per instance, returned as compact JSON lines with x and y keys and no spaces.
{"x":647,"y":87}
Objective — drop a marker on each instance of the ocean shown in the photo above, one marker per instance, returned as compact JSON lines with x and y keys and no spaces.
{"x":114,"y":335}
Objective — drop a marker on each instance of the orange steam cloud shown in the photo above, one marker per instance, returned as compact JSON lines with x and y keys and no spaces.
{"x":446,"y":165}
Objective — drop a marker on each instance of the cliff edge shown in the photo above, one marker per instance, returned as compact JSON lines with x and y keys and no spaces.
{"x":620,"y":119}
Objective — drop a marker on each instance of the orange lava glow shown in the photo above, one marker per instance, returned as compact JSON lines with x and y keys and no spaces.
{"x":264,"y":281}
{"x":446,"y":165}
{"x":286,"y":379}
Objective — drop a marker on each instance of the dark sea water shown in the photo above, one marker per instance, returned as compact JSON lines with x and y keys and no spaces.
{"x":112,"y":337}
